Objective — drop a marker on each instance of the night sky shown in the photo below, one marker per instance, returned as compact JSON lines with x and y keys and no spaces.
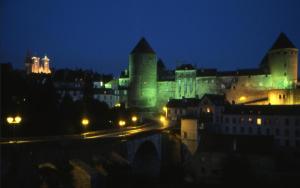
{"x":99,"y":34}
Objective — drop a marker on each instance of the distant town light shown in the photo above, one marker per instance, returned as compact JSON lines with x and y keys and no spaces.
{"x":117,"y":105}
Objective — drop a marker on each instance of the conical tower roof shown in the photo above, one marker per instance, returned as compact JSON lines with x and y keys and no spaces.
{"x":142,"y":47}
{"x":282,"y":42}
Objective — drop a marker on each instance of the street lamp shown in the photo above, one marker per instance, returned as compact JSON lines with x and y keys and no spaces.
{"x":134,"y":118}
{"x":14,"y":120}
{"x":122,"y":123}
{"x":85,"y":122}
{"x":163,"y":120}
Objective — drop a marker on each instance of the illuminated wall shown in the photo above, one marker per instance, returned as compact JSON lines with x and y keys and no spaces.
{"x":206,"y":85}
{"x":283,"y":64}
{"x":185,"y":83}
{"x":165,"y":91}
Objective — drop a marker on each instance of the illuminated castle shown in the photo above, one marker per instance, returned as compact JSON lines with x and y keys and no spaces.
{"x":147,"y":84}
{"x":34,"y":65}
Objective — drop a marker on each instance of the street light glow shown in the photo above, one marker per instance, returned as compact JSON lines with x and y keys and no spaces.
{"x":18,"y":119}
{"x":122,"y":123}
{"x":14,"y":120}
{"x":134,"y":118}
{"x":9,"y":120}
{"x":85,"y":121}
{"x":162,"y":119}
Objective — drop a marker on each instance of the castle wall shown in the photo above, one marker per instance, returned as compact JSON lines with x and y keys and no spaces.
{"x":207,"y":85}
{"x":283,"y":64}
{"x":165,"y":91}
{"x":185,"y":83}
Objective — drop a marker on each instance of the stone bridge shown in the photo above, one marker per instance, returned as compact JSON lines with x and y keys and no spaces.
{"x":86,"y":163}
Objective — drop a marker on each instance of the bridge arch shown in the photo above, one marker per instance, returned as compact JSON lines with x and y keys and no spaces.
{"x":146,"y":161}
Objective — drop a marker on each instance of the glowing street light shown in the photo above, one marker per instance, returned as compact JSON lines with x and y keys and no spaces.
{"x":162,"y":119}
{"x":134,"y":118}
{"x":85,"y":122}
{"x":14,"y":120}
{"x":122,"y":123}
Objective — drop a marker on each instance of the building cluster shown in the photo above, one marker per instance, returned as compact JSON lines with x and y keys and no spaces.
{"x":37,"y":65}
{"x":147,"y":84}
{"x":215,"y":114}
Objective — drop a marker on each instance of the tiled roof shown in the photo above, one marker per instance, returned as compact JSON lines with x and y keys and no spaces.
{"x":289,"y":110}
{"x":183,"y":103}
{"x":216,"y":99}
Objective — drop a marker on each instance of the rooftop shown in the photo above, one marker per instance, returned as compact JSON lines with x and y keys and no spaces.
{"x":282,"y":42}
{"x":282,"y":110}
{"x":142,"y":47}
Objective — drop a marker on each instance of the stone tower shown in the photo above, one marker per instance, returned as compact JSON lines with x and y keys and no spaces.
{"x":283,"y":63}
{"x":142,"y":91}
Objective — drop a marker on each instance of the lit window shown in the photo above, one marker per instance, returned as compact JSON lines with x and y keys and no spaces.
{"x":250,"y":120}
{"x":258,"y":121}
{"x":207,"y":110}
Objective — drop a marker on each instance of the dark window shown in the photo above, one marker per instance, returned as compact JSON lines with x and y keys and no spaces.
{"x":297,"y":122}
{"x":242,"y":129}
{"x":184,"y":134}
{"x":258,"y":130}
{"x":267,"y":131}
{"x":226,"y":129}
{"x":277,"y":132}
{"x":250,"y":130}
{"x":287,"y":142}
{"x":234,"y":129}
{"x":297,"y":133}
{"x":286,"y":132}
{"x":233,"y":120}
{"x":287,"y":122}
{"x":283,"y":96}
{"x":279,"y":96}
{"x":226,"y":120}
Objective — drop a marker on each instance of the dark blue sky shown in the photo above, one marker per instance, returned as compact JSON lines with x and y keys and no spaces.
{"x":99,"y":34}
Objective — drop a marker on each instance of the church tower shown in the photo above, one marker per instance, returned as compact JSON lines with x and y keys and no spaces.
{"x":283,"y":63}
{"x":46,"y":67}
{"x":142,"y":91}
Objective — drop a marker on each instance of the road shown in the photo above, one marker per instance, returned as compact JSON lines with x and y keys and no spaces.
{"x":112,"y":133}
